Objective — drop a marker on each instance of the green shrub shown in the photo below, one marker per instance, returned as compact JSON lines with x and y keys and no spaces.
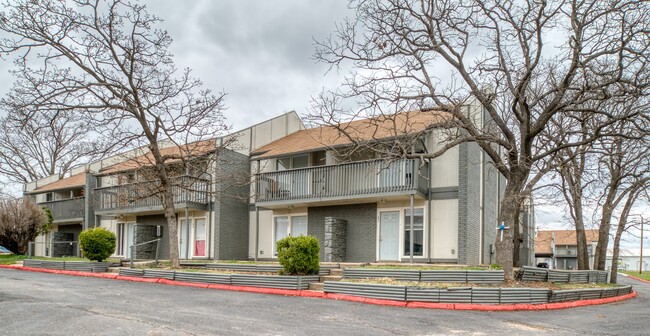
{"x":299,"y":255}
{"x":97,"y":244}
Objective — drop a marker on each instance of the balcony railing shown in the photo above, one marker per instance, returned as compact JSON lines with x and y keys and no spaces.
{"x":343,"y":180}
{"x":66,"y":209}
{"x":185,"y":190}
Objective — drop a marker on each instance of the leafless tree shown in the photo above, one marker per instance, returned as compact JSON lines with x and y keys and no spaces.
{"x":522,"y":62}
{"x":34,"y":147}
{"x":108,"y":60}
{"x":21,"y":221}
{"x":637,"y":190}
{"x":624,"y":174}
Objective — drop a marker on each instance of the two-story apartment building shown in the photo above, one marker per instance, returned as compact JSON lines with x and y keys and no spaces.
{"x":360,"y":205}
{"x":119,"y":193}
{"x":559,"y":248}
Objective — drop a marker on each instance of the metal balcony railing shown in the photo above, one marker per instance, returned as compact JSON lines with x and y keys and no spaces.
{"x":342,"y":180}
{"x":71,"y":208}
{"x":185,"y":189}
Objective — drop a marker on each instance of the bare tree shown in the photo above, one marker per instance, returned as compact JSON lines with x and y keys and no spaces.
{"x":20,"y":222}
{"x":624,"y":173}
{"x":34,"y":147}
{"x":522,"y":62}
{"x":107,"y":59}
{"x":636,"y":190}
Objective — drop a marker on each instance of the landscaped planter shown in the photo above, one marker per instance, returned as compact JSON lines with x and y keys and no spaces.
{"x":463,"y":276}
{"x":161,"y":274}
{"x":480,"y":295}
{"x":211,"y":278}
{"x":84,"y":266}
{"x":324,"y":270}
{"x":375,"y":291}
{"x":274,"y":281}
{"x":562,"y":276}
{"x":397,"y":274}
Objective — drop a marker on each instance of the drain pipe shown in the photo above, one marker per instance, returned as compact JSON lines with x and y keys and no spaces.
{"x":257,"y":212}
{"x":187,"y":236}
{"x":411,"y":231}
{"x":429,"y":224}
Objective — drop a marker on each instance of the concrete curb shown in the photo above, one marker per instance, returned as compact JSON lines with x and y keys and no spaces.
{"x":635,"y":278}
{"x":333,"y":296}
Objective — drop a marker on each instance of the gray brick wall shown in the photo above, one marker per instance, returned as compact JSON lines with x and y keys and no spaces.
{"x":231,"y":206}
{"x":155,"y":220}
{"x":90,"y":220}
{"x":469,"y":204}
{"x":490,"y":206}
{"x":361,"y":228}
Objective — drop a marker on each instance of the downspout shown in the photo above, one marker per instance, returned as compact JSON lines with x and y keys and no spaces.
{"x":257,"y":212}
{"x":481,"y":197}
{"x":429,"y":210}
{"x":187,"y":237}
{"x":411,"y":231}
{"x":211,"y":253}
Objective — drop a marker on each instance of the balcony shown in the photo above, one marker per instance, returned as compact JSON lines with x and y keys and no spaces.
{"x":136,"y":197}
{"x":356,"y":180}
{"x":67,"y":210}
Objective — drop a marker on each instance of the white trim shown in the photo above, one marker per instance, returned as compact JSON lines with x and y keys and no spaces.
{"x":402,"y":228}
{"x":192,"y":238}
{"x":289,"y":217}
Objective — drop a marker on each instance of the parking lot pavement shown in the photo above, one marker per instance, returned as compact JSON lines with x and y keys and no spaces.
{"x":51,"y":304}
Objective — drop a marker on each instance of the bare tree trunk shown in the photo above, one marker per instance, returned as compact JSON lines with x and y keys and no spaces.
{"x":616,"y":250}
{"x":170,"y":216}
{"x":603,"y":237}
{"x":509,"y":216}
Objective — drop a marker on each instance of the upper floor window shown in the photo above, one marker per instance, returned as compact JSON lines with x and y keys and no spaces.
{"x":292,"y":162}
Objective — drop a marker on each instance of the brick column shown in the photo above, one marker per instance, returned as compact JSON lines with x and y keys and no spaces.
{"x":335,"y":234}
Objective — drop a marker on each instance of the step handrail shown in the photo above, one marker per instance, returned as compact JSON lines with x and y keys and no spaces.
{"x":157,"y":240}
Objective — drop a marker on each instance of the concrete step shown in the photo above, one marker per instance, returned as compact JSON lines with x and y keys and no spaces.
{"x":113,"y":270}
{"x":336,"y":271}
{"x":316,"y":286}
{"x":324,"y":278}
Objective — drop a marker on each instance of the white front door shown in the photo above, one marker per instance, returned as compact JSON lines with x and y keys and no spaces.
{"x":389,"y":235}
{"x":183,"y":239}
{"x":130,"y":235}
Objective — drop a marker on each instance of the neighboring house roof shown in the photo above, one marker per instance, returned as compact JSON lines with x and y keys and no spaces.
{"x":175,"y":153}
{"x":629,"y":253}
{"x":543,"y":239}
{"x":377,"y":128}
{"x":74,"y":181}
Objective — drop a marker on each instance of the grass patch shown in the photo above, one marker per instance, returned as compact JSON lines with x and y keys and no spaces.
{"x":10,"y":259}
{"x":645,"y":275}
{"x":442,"y":285}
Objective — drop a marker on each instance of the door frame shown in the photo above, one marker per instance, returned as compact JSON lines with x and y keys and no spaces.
{"x":402,"y":228}
{"x":399,"y":232}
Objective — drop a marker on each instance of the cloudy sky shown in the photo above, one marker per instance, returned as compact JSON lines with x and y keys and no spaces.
{"x":260,"y":54}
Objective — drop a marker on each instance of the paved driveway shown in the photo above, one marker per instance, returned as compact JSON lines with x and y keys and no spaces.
{"x":51,"y":304}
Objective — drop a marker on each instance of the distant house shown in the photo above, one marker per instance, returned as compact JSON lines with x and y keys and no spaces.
{"x":629,"y":259}
{"x":559,"y":248}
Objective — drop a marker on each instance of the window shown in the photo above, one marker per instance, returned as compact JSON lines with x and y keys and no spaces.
{"x":418,"y":232}
{"x":49,"y":197}
{"x":292,"y":162}
{"x":289,"y":226}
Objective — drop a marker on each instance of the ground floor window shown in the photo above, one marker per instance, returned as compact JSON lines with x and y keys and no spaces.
{"x":192,"y":238}
{"x":124,"y":237}
{"x":418,"y":232}
{"x":289,"y":226}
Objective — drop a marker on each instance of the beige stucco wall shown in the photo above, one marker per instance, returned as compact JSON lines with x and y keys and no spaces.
{"x":444,"y":234}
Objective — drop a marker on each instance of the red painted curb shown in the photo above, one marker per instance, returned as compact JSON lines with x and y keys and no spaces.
{"x":635,"y":278}
{"x":343,"y":297}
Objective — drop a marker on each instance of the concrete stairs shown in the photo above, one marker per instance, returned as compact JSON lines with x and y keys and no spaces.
{"x":336,"y":274}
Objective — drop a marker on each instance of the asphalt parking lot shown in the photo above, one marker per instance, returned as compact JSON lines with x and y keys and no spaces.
{"x":51,"y":304}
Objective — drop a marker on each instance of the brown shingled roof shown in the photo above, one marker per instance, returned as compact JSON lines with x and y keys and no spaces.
{"x":562,"y":237}
{"x":383,"y":127}
{"x":78,"y":180}
{"x":190,"y":150}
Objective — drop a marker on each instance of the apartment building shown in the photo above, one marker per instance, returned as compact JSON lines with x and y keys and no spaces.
{"x":559,"y":248}
{"x":360,"y":205}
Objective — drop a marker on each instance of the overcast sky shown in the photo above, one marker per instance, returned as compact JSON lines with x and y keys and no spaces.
{"x":259,"y":53}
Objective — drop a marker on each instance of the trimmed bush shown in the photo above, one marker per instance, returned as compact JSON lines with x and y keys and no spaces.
{"x":97,"y":244}
{"x":299,"y":255}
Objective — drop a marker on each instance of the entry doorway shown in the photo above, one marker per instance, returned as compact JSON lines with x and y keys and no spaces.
{"x":389,"y":235}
